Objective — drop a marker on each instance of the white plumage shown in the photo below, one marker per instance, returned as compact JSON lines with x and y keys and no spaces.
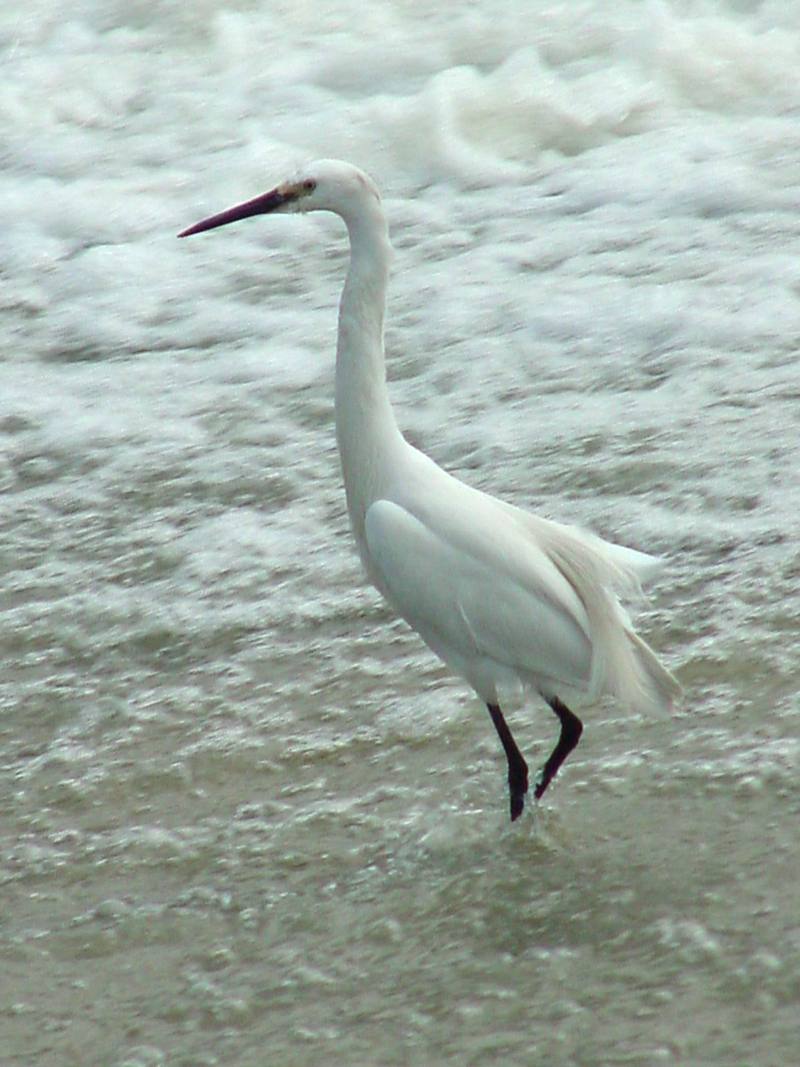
{"x":505,"y":598}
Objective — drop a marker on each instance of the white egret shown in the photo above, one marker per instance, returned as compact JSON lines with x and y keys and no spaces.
{"x":505,"y":598}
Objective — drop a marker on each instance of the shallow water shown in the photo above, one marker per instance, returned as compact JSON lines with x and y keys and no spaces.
{"x":245,"y":816}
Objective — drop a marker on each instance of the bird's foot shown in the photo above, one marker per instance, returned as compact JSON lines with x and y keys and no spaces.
{"x":543,"y":780}
{"x":517,"y":788}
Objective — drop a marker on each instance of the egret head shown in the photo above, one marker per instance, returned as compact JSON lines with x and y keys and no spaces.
{"x":327,"y":185}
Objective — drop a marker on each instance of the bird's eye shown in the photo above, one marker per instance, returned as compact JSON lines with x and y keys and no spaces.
{"x":309,"y":185}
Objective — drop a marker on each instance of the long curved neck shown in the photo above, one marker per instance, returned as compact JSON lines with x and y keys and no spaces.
{"x":366,"y":430}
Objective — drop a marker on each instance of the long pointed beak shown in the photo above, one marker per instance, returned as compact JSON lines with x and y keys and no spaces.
{"x":259,"y":205}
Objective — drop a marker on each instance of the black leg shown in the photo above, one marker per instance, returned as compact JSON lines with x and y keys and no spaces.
{"x":571,"y":730}
{"x":517,"y":767}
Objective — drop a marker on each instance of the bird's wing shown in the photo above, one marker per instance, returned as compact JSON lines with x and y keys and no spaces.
{"x":472,"y":596}
{"x":477,"y":576}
